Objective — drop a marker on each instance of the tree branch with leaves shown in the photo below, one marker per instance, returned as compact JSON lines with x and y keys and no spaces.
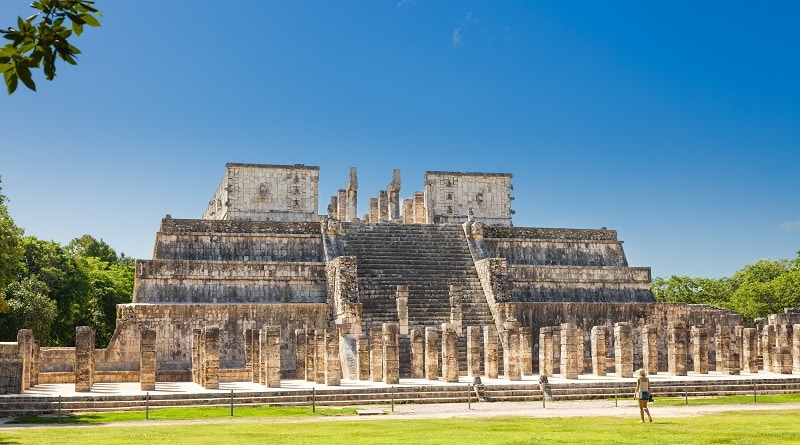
{"x":42,"y":38}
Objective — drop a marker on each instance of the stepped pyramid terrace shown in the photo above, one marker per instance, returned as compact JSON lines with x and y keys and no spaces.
{"x":437,"y":285}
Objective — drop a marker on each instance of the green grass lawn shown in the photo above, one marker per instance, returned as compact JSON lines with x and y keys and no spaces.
{"x":763,"y":427}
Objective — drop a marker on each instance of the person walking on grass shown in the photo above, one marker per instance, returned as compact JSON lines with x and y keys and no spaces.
{"x":642,"y":394}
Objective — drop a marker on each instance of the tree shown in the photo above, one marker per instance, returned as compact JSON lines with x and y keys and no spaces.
{"x":11,"y":252}
{"x":87,"y":246}
{"x":29,"y":308}
{"x":42,"y":38}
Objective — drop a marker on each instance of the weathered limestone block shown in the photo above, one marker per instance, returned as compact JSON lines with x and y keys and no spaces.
{"x":383,"y":205}
{"x":301,"y":343}
{"x":700,"y":349}
{"x":599,"y":340}
{"x":376,"y":354}
{"x":650,"y":349}
{"x":211,"y":356}
{"x":417,"y":342}
{"x":11,"y":368}
{"x":727,"y":358}
{"x":569,"y":351}
{"x":768,"y":346}
{"x":374,"y":213}
{"x":196,"y":357}
{"x":456,"y":297}
{"x":526,"y":350}
{"x":750,"y":350}
{"x":473,"y":351}
{"x":320,"y":353}
{"x":796,"y":349}
{"x":362,"y":365}
{"x":391,"y":354}
{"x":431,"y":354}
{"x":511,"y":353}
{"x":311,"y":356}
{"x":546,"y":351}
{"x":272,"y":362}
{"x":37,"y":361}
{"x":783,"y":349}
{"x":402,"y":309}
{"x":449,"y":353}
{"x":676,"y":348}
{"x":84,"y":359}
{"x":250,"y":338}
{"x":25,"y":342}
{"x":341,"y":204}
{"x":490,"y":360}
{"x":333,"y":364}
{"x":147,"y":366}
{"x":623,"y":349}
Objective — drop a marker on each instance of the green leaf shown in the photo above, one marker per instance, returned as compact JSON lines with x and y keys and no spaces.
{"x":77,"y":28}
{"x":24,"y":74}
{"x":90,"y":20}
{"x":10,"y":77}
{"x":76,"y":18}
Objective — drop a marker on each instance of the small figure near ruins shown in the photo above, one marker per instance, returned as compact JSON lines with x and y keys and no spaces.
{"x":642,"y":393}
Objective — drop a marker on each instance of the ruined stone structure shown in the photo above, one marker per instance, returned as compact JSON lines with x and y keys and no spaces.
{"x":438,"y":285}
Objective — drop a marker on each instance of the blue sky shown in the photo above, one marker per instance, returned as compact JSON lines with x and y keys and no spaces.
{"x":675,"y":123}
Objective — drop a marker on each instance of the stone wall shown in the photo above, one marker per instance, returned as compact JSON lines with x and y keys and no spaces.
{"x":450,"y":196}
{"x":557,"y":252}
{"x":209,"y":246}
{"x":256,"y":192}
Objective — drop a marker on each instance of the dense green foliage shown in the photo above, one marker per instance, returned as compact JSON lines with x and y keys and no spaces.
{"x":51,"y":288}
{"x":40,"y":39}
{"x":763,"y":288}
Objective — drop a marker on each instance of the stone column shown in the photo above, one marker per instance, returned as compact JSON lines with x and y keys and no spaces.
{"x":391,"y":354}
{"x":11,"y":368}
{"x":273,"y":359}
{"x":320,"y":351}
{"x":750,"y":350}
{"x":376,"y":354}
{"x":700,"y":350}
{"x":599,"y":339}
{"x":727,"y":358}
{"x":408,"y":211}
{"x":250,"y":337}
{"x":352,"y":195}
{"x":84,"y":359}
{"x":511,"y":352}
{"x":394,"y":196}
{"x":569,"y":351}
{"x":650,"y":349}
{"x":374,"y":213}
{"x":417,"y":354}
{"x":449,"y":353}
{"x":341,"y":204}
{"x":783,"y":349}
{"x":211,"y":355}
{"x":37,"y":360}
{"x":431,"y":354}
{"x":473,"y":351}
{"x":546,"y":351}
{"x":768,"y":346}
{"x":300,"y":353}
{"x":796,"y":349}
{"x":383,"y":205}
{"x":526,"y":350}
{"x":456,"y":297}
{"x":420,"y":216}
{"x":402,"y":309}
{"x":490,"y":361}
{"x":333,"y":364}
{"x":676,"y":347}
{"x":362,"y":356}
{"x":25,"y":345}
{"x":147,"y":363}
{"x":623,"y":349}
{"x":197,"y":335}
{"x":311,"y":356}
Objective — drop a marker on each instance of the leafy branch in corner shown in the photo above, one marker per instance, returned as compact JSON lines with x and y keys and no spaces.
{"x":42,"y":38}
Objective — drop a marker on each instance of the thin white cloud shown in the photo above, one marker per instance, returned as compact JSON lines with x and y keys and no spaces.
{"x":456,"y":38}
{"x":401,"y":3}
{"x":790,"y":226}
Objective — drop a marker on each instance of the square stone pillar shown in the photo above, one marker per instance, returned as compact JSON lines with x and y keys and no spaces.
{"x":526,"y":350}
{"x":333,"y":364}
{"x":676,"y":347}
{"x":727,"y":358}
{"x":750,"y":350}
{"x":402,"y":309}
{"x":768,"y":346}
{"x":37,"y":361}
{"x":417,"y":341}
{"x":650,"y":349}
{"x":449,"y":353}
{"x":84,"y":359}
{"x":473,"y":351}
{"x":300,"y":344}
{"x":362,"y":356}
{"x":511,"y":351}
{"x":197,"y":366}
{"x":623,"y":349}
{"x":272,"y":363}
{"x":546,"y":351}
{"x":431,"y":354}
{"x":25,"y":344}
{"x":490,"y":360}
{"x":599,"y":339}
{"x":376,"y":354}
{"x":700,"y":349}
{"x":211,"y":358}
{"x":250,"y":338}
{"x":569,"y":351}
{"x":783,"y":349}
{"x":796,"y":349}
{"x":391,"y":354}
{"x":320,"y":351}
{"x":456,"y":297}
{"x":311,"y":355}
{"x":147,"y":363}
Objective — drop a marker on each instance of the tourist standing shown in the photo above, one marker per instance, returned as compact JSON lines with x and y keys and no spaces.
{"x":642,"y":394}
